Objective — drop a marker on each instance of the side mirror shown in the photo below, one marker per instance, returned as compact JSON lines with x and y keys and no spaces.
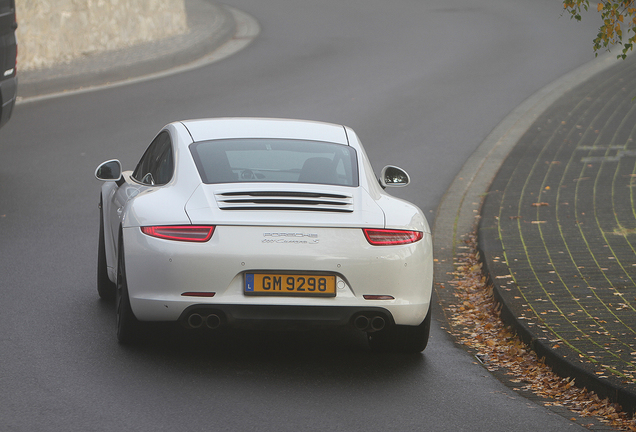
{"x":393,"y":176}
{"x":109,"y":171}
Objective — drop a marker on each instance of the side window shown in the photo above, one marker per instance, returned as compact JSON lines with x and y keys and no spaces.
{"x":156,"y":165}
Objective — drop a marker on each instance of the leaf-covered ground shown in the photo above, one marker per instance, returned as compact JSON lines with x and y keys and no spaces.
{"x":475,"y":323}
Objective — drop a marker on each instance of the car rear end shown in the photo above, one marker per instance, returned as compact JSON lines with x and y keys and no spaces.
{"x":8,"y":60}
{"x":289,"y":231}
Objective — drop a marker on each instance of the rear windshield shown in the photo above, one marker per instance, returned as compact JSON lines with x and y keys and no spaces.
{"x":275,"y":160}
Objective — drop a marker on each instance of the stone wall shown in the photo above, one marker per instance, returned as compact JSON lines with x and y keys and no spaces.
{"x":56,"y":31}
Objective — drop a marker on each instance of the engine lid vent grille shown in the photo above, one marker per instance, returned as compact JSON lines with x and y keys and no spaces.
{"x":277,"y":200}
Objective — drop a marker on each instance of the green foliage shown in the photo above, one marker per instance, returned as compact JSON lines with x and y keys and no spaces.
{"x":619,"y":22}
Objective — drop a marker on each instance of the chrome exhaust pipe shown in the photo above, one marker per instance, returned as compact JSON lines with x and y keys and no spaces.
{"x":361,"y":322}
{"x":195,"y":320}
{"x":213,"y":321}
{"x":377,"y":323}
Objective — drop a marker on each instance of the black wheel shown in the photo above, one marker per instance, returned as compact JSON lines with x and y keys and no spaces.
{"x":129,"y":328}
{"x":105,"y":287}
{"x":403,"y":339}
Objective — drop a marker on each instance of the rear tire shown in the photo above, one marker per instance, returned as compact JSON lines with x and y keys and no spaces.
{"x":105,"y":287}
{"x":401,"y":338}
{"x":129,"y":328}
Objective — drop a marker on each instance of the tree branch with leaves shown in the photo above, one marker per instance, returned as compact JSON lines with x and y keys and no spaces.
{"x":619,"y":22}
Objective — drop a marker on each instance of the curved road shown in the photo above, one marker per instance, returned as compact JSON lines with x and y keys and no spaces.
{"x":422,"y":82}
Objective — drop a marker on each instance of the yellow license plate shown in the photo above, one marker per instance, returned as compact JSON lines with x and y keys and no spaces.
{"x":290,"y":284}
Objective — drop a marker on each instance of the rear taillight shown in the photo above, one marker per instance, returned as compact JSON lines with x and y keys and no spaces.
{"x":389,"y":237}
{"x":188,"y":233}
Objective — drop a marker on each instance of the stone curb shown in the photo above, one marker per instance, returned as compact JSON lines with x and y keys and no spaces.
{"x":211,"y":26}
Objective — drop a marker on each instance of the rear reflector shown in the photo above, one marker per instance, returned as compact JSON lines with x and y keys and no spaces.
{"x":378,"y":297}
{"x":388,"y":237}
{"x":198,"y":294}
{"x":188,"y":233}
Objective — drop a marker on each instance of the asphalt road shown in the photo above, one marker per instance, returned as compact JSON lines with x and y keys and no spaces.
{"x":422,"y":82}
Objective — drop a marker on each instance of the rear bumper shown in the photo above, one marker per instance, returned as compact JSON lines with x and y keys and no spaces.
{"x":160,"y":272}
{"x":284,"y":317}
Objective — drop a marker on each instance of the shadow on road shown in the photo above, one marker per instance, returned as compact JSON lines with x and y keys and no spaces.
{"x":338,"y":355}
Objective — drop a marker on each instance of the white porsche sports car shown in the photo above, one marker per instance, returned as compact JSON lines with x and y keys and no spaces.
{"x":263,"y":222}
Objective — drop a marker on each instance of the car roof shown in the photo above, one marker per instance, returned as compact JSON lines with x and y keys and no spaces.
{"x":230,"y":128}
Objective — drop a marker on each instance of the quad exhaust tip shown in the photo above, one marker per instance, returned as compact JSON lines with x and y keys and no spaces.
{"x":377,"y":323}
{"x":195,"y":320}
{"x":211,"y":321}
{"x":361,"y":322}
{"x":369,"y":324}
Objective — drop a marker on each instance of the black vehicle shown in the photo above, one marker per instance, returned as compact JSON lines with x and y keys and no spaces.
{"x":8,"y":59}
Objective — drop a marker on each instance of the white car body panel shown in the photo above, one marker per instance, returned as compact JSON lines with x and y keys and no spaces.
{"x":159,"y":271}
{"x":399,"y":214}
{"x":203,"y":208}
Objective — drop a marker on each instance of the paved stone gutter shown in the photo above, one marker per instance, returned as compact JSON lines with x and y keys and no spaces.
{"x":557,"y":236}
{"x":456,"y":214}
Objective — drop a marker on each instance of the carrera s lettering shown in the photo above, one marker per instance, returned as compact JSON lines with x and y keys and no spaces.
{"x":314,"y":241}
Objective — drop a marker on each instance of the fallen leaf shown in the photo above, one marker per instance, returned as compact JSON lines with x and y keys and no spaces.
{"x":474,"y":322}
